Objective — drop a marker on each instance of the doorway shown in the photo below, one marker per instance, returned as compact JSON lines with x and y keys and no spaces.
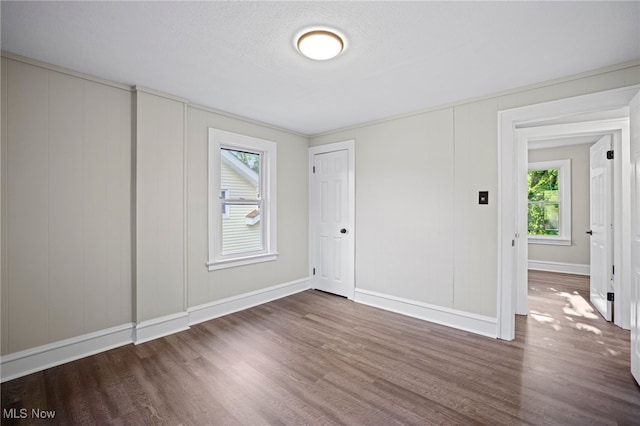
{"x":576,"y":233}
{"x":332,"y":218}
{"x":512,"y":242}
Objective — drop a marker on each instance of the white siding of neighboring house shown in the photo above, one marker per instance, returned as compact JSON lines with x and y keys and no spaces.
{"x":237,"y":236}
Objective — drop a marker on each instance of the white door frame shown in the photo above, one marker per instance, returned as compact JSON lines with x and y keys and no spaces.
{"x":618,"y":129}
{"x":349,"y":146}
{"x":634,"y":116}
{"x":510,"y":163}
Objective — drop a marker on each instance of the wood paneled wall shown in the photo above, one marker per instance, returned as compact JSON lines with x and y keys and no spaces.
{"x":68,"y":180}
{"x":160,"y":283}
{"x":476,"y":227}
{"x":94,"y":206}
{"x":66,"y":200}
{"x":462,"y":233}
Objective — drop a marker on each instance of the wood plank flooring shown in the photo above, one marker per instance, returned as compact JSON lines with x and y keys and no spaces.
{"x":313,"y":358}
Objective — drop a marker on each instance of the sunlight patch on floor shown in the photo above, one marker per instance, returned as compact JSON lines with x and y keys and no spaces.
{"x":612,"y":352}
{"x":577,"y":305}
{"x":586,"y":327}
{"x":543,"y":318}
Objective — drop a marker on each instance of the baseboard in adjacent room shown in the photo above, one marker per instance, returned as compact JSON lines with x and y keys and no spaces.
{"x":561,"y":267}
{"x":479,"y":324}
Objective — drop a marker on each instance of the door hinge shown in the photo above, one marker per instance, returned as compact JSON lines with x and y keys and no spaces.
{"x":314,"y":169}
{"x":314,"y":271}
{"x":613,"y":269}
{"x":609,"y":297}
{"x":610,"y":155}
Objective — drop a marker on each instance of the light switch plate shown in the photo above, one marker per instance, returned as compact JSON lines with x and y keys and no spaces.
{"x":483,"y":197}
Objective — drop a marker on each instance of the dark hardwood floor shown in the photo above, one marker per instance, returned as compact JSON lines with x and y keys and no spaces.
{"x":313,"y":358}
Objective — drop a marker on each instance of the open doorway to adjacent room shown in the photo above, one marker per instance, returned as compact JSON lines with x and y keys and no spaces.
{"x":571,"y":194}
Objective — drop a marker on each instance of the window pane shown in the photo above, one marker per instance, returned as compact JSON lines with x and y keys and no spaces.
{"x":543,"y":218}
{"x":241,"y":227}
{"x":240,"y":174}
{"x":551,"y":219}
{"x":536,"y":219}
{"x":550,"y":195}
{"x":543,"y":185}
{"x":242,"y":231}
{"x":543,"y":215}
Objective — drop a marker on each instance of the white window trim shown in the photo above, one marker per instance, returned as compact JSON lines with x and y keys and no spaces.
{"x":564,"y":200}
{"x":221,"y":139}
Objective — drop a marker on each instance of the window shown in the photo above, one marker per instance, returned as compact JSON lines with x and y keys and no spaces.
{"x":242,"y":200}
{"x":549,"y":198}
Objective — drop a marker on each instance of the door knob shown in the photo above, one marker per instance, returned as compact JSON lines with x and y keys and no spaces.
{"x":343,"y":231}
{"x":590,"y":232}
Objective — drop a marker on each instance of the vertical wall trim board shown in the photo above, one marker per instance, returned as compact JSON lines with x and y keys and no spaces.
{"x":185,"y":206}
{"x":48,"y":144}
{"x":453,"y":203}
{"x":133,"y":220}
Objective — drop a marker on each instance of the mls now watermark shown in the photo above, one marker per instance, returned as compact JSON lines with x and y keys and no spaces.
{"x":23,"y":413}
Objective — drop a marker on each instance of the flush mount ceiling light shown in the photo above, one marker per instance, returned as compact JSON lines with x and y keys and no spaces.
{"x":320,"y":44}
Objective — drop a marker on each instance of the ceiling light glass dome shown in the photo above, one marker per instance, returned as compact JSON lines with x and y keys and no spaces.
{"x":320,"y":44}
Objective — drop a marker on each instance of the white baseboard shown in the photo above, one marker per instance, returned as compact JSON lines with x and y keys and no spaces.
{"x":565,"y":268}
{"x":208,"y":311}
{"x":29,"y":361}
{"x":160,"y":327}
{"x":474,"y":323}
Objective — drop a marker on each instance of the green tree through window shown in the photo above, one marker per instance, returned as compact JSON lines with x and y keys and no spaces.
{"x":251,"y":159}
{"x":544,"y":206}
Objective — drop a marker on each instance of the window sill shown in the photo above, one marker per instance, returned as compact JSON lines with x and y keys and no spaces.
{"x":241,"y":261}
{"x":550,"y":241}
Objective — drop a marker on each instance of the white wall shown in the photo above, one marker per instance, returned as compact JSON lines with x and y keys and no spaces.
{"x":66,"y":208}
{"x":67,"y":212}
{"x":417,"y":183}
{"x":578,"y":252}
{"x":402,"y":215}
{"x":420,"y":174}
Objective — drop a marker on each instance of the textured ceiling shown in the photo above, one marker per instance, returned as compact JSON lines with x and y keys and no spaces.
{"x":401,"y":56}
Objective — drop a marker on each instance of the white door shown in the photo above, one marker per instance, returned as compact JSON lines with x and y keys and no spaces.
{"x":634,"y":113}
{"x":601,"y":219}
{"x":330,"y":223}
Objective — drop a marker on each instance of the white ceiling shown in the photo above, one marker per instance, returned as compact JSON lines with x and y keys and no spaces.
{"x":401,"y":56}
